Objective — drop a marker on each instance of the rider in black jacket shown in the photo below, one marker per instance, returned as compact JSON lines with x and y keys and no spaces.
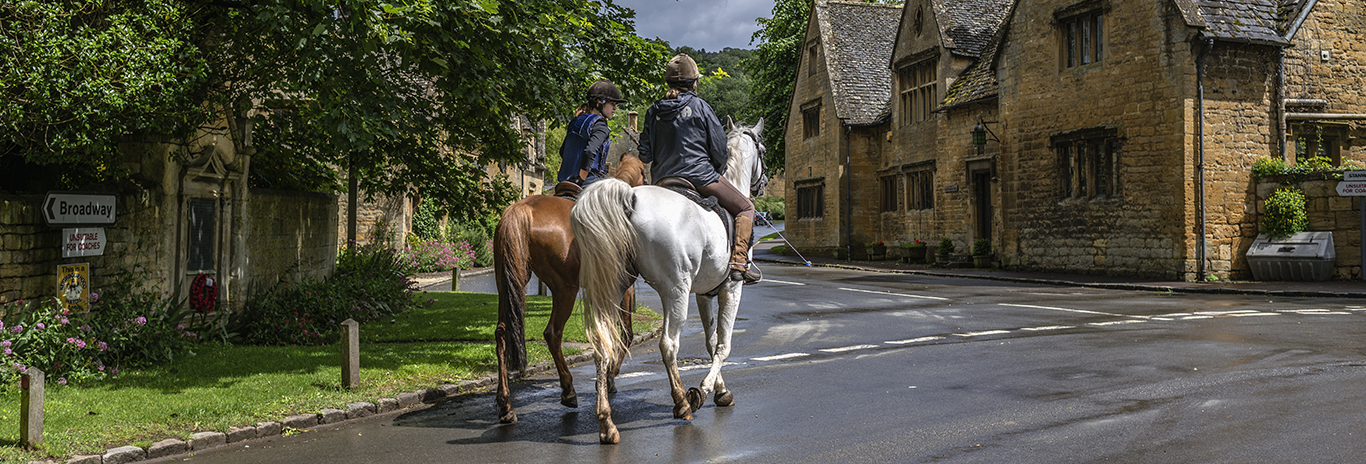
{"x":683,"y":138}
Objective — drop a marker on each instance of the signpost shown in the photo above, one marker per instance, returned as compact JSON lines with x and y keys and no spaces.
{"x":1354,"y":185}
{"x":65,"y":208}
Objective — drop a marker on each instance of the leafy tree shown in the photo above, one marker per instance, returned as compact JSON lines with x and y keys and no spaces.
{"x":78,"y":77}
{"x":411,"y":97}
{"x":773,"y":70}
{"x":727,"y":94}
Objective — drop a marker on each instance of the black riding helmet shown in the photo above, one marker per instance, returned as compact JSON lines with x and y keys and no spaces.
{"x":604,"y":91}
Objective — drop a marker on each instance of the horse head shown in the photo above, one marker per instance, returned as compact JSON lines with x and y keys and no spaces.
{"x":745,"y":165}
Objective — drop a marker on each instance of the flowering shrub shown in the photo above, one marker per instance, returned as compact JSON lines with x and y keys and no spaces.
{"x":127,"y":326}
{"x":371,"y":282}
{"x":913,"y":244}
{"x":437,"y":255}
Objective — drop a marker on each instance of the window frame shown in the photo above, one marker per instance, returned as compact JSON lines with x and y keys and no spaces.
{"x":810,"y":199}
{"x":920,"y":189}
{"x":917,"y":89}
{"x":1082,"y":38}
{"x":811,"y":119}
{"x":891,"y":192}
{"x":1089,"y":164}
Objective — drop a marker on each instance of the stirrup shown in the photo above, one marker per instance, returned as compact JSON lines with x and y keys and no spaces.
{"x":750,"y":275}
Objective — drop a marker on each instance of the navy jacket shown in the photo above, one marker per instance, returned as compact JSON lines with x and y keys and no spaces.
{"x":585,"y":146}
{"x":683,"y":138}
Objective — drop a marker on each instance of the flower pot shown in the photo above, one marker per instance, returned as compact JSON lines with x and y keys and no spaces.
{"x":914,"y":254}
{"x":877,"y":252}
{"x":982,"y":261}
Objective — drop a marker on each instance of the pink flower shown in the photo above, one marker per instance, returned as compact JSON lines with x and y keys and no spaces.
{"x":40,"y":326}
{"x":61,"y":380}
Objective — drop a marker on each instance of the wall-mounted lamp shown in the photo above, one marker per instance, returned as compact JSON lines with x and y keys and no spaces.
{"x":979,"y":135}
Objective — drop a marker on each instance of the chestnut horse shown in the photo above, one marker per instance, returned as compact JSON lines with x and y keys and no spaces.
{"x":534,"y":237}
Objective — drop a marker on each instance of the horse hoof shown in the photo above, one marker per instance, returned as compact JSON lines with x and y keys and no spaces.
{"x":571,"y":401}
{"x":683,"y":411}
{"x":610,"y":437}
{"x":724,"y":398}
{"x":509,"y":417}
{"x":695,"y":398}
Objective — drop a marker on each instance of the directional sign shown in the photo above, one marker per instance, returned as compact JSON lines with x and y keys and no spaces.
{"x":1354,"y":176}
{"x":87,"y":241}
{"x":78,"y":208}
{"x":1352,"y":189}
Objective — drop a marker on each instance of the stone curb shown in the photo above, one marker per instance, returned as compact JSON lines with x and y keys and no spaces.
{"x":1109,"y":286}
{"x":325,"y":417}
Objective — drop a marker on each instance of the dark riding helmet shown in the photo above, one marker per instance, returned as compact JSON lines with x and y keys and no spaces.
{"x":604,"y":90}
{"x":681,"y":69}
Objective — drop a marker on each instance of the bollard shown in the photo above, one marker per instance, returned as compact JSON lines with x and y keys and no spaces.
{"x":350,"y":341}
{"x":455,"y":279}
{"x":31,"y":408}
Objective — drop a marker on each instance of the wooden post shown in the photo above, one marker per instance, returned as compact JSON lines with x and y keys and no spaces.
{"x":31,"y":408}
{"x":350,"y":341}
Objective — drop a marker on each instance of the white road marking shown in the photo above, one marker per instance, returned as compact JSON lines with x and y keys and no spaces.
{"x":908,"y":295}
{"x":985,"y":332}
{"x":915,"y":340}
{"x":634,"y":375}
{"x":1126,"y":321}
{"x":780,"y":356}
{"x":703,"y":366}
{"x":1310,"y":312}
{"x":1083,"y":311}
{"x":776,"y":281}
{"x":1049,"y":327}
{"x":847,"y":348}
{"x":1253,"y":314}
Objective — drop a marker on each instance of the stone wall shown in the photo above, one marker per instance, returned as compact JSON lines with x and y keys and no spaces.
{"x":30,"y":249}
{"x":382,"y":212}
{"x":293,"y":235}
{"x":1327,"y":212}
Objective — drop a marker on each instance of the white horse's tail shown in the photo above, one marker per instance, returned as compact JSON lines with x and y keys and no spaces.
{"x":606,"y":240}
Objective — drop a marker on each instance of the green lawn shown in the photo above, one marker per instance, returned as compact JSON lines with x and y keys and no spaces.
{"x":225,"y":386}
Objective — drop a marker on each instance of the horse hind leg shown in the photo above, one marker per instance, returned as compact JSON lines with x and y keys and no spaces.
{"x":607,"y":431}
{"x":628,"y":303}
{"x":675,"y":312}
{"x":562,"y":297}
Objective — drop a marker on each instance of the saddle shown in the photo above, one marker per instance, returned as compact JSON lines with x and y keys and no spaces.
{"x":569,"y":190}
{"x":685,"y":188}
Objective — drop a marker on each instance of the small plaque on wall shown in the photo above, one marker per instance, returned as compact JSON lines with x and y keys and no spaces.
{"x":951,"y":188}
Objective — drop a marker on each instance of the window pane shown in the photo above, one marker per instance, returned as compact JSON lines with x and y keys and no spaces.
{"x":1085,"y":45}
{"x":201,"y":232}
{"x":1100,"y":37}
{"x":1071,"y":44}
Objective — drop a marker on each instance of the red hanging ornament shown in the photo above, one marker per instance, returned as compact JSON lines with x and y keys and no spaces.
{"x":203,"y":294}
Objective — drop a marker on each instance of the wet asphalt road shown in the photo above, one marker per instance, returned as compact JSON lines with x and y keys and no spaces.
{"x":845,"y":366}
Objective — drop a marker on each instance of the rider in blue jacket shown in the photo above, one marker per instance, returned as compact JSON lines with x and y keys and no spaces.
{"x":683,"y":138}
{"x":586,"y":142}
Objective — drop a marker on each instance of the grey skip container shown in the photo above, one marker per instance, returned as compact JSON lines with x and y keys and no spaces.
{"x":1305,"y":256}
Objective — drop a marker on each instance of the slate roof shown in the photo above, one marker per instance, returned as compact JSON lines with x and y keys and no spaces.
{"x":857,"y":39}
{"x":967,"y":26}
{"x":1248,"y":21}
{"x":978,"y":81}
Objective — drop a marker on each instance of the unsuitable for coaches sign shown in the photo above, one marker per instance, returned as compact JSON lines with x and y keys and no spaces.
{"x":65,"y":208}
{"x":1353,"y":184}
{"x":85,"y":241}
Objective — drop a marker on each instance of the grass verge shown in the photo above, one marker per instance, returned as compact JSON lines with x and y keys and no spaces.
{"x":224,"y":386}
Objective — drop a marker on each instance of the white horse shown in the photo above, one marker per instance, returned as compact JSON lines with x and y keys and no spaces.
{"x":679,"y":248}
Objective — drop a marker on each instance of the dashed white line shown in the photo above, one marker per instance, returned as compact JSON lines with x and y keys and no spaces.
{"x":914,"y":340}
{"x":1126,"y":321}
{"x":908,"y":295}
{"x":634,"y":374}
{"x":783,"y":282}
{"x":1083,"y":311}
{"x":781,"y":356}
{"x":985,"y":332}
{"x":847,"y":348}
{"x":1049,"y":327}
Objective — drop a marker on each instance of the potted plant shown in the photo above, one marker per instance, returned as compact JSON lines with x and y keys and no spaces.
{"x":946,"y":248}
{"x":913,"y":251}
{"x":876,"y":250}
{"x":981,"y":253}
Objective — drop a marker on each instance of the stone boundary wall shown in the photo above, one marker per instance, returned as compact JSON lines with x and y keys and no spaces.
{"x":1327,"y":212}
{"x":30,"y":249}
{"x":290,"y":235}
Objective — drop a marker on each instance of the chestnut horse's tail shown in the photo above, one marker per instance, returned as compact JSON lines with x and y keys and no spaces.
{"x":606,"y":240}
{"x":512,"y":270}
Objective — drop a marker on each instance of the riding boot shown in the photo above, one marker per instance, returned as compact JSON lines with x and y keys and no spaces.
{"x":740,"y":266}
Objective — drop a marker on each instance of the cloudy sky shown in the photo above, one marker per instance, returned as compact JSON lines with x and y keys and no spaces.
{"x":711,"y":25}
